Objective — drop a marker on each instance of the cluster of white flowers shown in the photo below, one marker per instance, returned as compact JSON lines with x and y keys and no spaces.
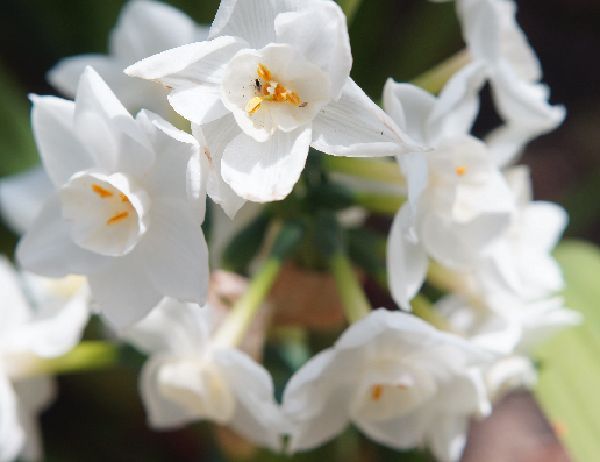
{"x":124,"y":200}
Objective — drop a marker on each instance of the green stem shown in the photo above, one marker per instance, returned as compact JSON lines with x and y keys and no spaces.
{"x":90,"y":355}
{"x":243,"y":312}
{"x":423,"y":309}
{"x":353,"y":297}
{"x":384,"y":171}
{"x":434,"y":80}
{"x":386,"y":204}
{"x":350,"y":7}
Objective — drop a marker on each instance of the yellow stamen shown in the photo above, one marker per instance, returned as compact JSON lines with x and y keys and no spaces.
{"x":264,"y":73}
{"x":253,"y":105}
{"x":117,"y":217}
{"x":103,"y":193}
{"x":124,"y":198}
{"x":269,"y":90}
{"x":461,"y":170}
{"x":376,"y":392}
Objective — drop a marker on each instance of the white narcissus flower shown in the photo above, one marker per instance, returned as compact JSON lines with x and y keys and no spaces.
{"x":521,"y":260}
{"x":264,"y":89}
{"x":41,"y":319}
{"x":144,"y":28}
{"x":459,"y":202}
{"x":189,"y":377}
{"x":398,"y":379}
{"x":510,"y":329}
{"x":496,"y":42}
{"x":127,"y":207}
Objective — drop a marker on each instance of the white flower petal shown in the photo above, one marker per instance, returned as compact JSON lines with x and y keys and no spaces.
{"x":47,"y":248}
{"x":33,"y":394}
{"x":61,"y":150}
{"x":148,"y":27}
{"x":218,"y":135}
{"x":267,"y":171}
{"x":66,"y":74}
{"x":173,"y":253}
{"x":198,"y":104}
{"x":308,"y":29}
{"x":161,"y":411}
{"x":317,"y":413}
{"x":257,"y":416}
{"x":22,"y":197}
{"x":123,"y":292}
{"x":406,"y":259}
{"x":250,"y":19}
{"x":410,"y":107}
{"x":355,"y":126}
{"x":12,"y":437}
{"x":14,"y":307}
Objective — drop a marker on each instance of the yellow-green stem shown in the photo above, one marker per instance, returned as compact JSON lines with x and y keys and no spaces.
{"x":423,"y":309}
{"x":86,"y":356}
{"x":237,"y":323}
{"x":351,"y":292}
{"x":379,"y":170}
{"x":434,"y":79}
{"x":386,"y":204}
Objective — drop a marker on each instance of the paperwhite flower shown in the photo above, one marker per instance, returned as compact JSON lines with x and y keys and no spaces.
{"x":127,"y":207}
{"x":521,"y":260}
{"x":459,"y":201}
{"x":510,"y":329}
{"x":402,"y":382}
{"x":40,"y":319}
{"x":265,"y":88}
{"x":188,"y":377}
{"x":144,"y":28}
{"x":496,"y":42}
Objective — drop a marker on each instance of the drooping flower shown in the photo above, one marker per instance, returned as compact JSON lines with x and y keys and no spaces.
{"x":459,"y":202}
{"x":510,"y":329}
{"x":190,"y":377}
{"x":41,"y":319}
{"x":399,"y":380}
{"x":144,"y":28}
{"x":265,"y":88}
{"x":497,"y":44}
{"x":521,"y":260}
{"x":127,"y":207}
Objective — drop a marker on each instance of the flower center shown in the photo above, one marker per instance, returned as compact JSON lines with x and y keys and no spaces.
{"x":105,"y":213}
{"x":268,"y":89}
{"x":460,"y":170}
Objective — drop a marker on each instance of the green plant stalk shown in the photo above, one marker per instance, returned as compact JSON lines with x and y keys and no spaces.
{"x":232,"y":331}
{"x":350,"y":7}
{"x":378,"y":170}
{"x":89,"y":355}
{"x":422,"y":308}
{"x":434,"y":79}
{"x":386,"y":204}
{"x":353,"y":297}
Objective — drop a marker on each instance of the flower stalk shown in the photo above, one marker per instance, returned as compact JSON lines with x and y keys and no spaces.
{"x":243,"y":312}
{"x":89,"y":355}
{"x":422,"y":308}
{"x":353,"y":297}
{"x":434,"y":79}
{"x":379,"y":170}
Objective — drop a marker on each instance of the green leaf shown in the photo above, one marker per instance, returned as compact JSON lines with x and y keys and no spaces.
{"x":570,"y":375}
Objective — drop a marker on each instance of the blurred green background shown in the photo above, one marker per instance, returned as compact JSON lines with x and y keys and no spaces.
{"x":98,"y":416}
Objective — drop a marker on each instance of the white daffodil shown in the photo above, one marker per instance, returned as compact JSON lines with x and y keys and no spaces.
{"x":496,"y":42}
{"x":189,"y":377}
{"x":510,"y":329}
{"x":521,"y":260}
{"x":402,"y":382}
{"x":144,"y":28}
{"x":41,"y":319}
{"x":127,"y":207}
{"x":459,"y":202}
{"x":265,"y":88}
